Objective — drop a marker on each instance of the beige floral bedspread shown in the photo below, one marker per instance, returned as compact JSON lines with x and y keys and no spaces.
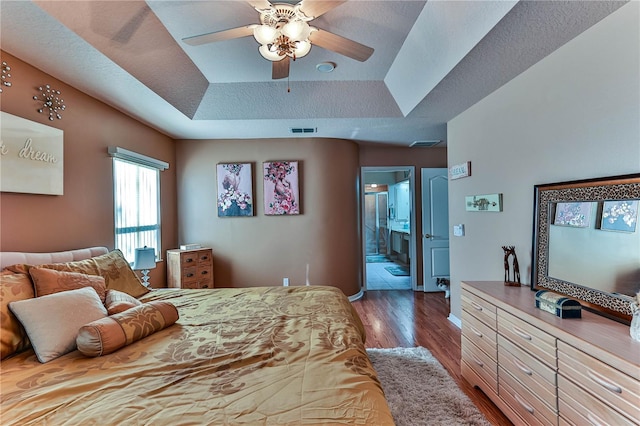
{"x":276,"y":355}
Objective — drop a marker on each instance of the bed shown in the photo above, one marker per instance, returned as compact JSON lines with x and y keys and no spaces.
{"x":262,"y":355}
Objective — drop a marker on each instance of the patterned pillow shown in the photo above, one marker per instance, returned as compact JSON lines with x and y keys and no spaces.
{"x":52,"y":322}
{"x":13,"y":338}
{"x":107,"y":335}
{"x":117,"y":301}
{"x":113,"y":267}
{"x":49,"y":281}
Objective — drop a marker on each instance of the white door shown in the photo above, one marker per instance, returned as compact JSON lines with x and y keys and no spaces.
{"x":435,"y":227}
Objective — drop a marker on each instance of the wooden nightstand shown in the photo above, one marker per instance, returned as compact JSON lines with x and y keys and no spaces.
{"x":190,"y":268}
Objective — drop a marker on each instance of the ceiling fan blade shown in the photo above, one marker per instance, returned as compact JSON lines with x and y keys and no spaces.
{"x":131,"y":26}
{"x":259,"y":4}
{"x":341,"y":45}
{"x":220,"y":35}
{"x":315,"y":8}
{"x":280,"y":69}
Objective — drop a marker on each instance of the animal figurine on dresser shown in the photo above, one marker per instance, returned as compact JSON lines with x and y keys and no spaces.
{"x":443,"y":284}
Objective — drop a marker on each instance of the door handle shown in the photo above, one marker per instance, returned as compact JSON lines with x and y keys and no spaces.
{"x":428,"y":236}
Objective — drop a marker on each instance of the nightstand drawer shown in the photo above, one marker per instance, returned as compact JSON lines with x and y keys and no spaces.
{"x":190,"y":268}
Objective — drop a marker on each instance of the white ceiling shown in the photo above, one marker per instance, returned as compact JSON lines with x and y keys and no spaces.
{"x":432,"y":60}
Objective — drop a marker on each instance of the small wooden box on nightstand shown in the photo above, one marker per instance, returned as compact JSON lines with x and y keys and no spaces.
{"x":190,"y":268}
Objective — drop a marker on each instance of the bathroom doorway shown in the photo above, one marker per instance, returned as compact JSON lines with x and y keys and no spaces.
{"x":387,"y":228}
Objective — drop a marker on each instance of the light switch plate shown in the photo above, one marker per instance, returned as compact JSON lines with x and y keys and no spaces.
{"x":458,"y":230}
{"x":484,"y":203}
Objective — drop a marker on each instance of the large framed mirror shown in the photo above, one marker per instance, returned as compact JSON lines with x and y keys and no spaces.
{"x":586,"y":242}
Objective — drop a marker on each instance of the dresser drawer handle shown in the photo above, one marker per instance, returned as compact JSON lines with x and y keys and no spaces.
{"x":204,"y":272}
{"x":524,"y":404}
{"x":521,"y":333}
{"x":476,"y":332}
{"x":594,"y":420}
{"x":204,"y":258}
{"x":188,"y":260}
{"x":522,"y":367}
{"x":602,"y":382}
{"x":189,"y":275}
{"x":477,"y":361}
{"x":476,"y":306}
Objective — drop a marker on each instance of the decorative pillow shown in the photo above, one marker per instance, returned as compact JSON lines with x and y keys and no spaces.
{"x":13,"y":338}
{"x":117,"y":301}
{"x":113,"y":267}
{"x":48,"y":281}
{"x":109,"y":334}
{"x":52,"y":322}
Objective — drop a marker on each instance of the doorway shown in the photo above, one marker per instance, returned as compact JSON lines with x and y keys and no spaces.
{"x":388,"y":228}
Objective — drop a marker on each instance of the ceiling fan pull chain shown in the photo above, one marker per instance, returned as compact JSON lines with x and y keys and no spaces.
{"x":288,"y":85}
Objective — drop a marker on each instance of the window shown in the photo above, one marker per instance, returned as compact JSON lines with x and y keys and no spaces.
{"x":136,"y":198}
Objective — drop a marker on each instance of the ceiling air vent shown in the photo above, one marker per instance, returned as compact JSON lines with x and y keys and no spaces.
{"x":424,"y":144}
{"x":300,"y":130}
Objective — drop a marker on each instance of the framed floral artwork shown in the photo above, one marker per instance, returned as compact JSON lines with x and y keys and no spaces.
{"x":235,"y":189}
{"x":620,"y":215}
{"x":577,"y":215}
{"x":281,"y":188}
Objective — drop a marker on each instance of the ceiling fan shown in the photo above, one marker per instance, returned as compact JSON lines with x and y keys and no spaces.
{"x":284,"y":34}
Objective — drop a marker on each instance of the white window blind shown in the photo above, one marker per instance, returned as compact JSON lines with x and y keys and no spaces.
{"x":136,"y":196}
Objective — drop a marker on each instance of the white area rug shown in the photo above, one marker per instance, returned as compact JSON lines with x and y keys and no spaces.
{"x":420,"y":391}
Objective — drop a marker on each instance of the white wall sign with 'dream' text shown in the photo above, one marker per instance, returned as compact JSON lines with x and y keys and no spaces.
{"x":31,"y":157}
{"x":460,"y":171}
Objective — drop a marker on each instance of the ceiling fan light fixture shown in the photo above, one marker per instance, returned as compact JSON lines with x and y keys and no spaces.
{"x":271,"y":55}
{"x":296,"y":30}
{"x":265,"y":34}
{"x":302,"y":48}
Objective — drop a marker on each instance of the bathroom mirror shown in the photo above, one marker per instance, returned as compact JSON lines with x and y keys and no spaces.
{"x":586,"y":242}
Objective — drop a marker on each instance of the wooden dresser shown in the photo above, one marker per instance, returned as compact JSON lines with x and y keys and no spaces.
{"x":543,"y":370}
{"x":190,"y":268}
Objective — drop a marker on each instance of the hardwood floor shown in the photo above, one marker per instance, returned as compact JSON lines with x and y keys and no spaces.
{"x":404,"y":318}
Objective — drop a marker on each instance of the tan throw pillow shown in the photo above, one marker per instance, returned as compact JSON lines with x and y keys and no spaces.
{"x":113,"y":267}
{"x":117,"y":301}
{"x":13,"y":337}
{"x":52,"y":322}
{"x":109,"y":334}
{"x":48,"y":281}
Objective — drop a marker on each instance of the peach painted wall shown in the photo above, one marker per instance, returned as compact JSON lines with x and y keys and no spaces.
{"x":83,"y":216}
{"x":262,"y":250}
{"x":374,"y":156}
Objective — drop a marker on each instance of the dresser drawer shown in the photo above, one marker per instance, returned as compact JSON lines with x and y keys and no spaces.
{"x":536,"y":376}
{"x":484,"y":366}
{"x":480,"y":334}
{"x":524,"y":403}
{"x":602,"y":381}
{"x":528,"y":337}
{"x":579,"y":408}
{"x":198,"y":284}
{"x":479,"y":308}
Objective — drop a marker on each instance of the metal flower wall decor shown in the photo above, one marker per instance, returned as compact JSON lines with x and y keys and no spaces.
{"x":50,"y":101}
{"x":5,"y":75}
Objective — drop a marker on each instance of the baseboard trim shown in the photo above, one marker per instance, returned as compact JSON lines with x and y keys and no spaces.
{"x":356,"y":296}
{"x":455,"y":320}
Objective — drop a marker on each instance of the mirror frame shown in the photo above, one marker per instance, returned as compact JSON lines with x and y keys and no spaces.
{"x":626,"y":187}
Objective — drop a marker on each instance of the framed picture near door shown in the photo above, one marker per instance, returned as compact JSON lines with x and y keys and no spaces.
{"x":281,"y":188}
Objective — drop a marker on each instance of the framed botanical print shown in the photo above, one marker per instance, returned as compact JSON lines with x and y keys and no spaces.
{"x":281,"y":188}
{"x":235,"y":189}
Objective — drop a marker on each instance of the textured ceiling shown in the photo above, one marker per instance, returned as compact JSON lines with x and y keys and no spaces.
{"x":432,"y":61}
